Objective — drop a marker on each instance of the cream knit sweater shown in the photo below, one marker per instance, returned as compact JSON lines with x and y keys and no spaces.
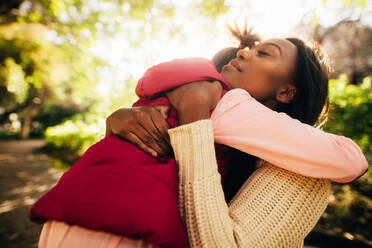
{"x":274,"y":208}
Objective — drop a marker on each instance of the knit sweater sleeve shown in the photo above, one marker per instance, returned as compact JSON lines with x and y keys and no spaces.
{"x":274,"y":208}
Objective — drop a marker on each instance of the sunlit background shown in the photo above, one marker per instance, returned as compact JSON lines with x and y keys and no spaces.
{"x":189,"y":28}
{"x":65,"y":65}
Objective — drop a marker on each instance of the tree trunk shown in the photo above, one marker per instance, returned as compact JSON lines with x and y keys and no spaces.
{"x":30,"y":112}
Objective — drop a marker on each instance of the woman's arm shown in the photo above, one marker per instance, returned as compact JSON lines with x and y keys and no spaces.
{"x":241,"y":122}
{"x":274,"y":208}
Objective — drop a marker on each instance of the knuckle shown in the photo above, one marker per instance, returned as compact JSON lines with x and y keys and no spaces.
{"x":138,"y":114}
{"x":129,"y":122}
{"x":158,"y":135}
{"x":148,"y":141}
{"x":108,"y":119}
{"x":159,"y":140}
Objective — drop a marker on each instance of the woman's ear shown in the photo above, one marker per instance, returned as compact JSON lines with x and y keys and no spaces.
{"x":286,"y":93}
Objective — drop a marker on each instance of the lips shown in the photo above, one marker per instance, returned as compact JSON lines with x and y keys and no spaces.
{"x":235,"y":64}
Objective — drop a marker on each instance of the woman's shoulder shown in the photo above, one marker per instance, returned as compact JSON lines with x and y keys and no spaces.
{"x":230,"y":100}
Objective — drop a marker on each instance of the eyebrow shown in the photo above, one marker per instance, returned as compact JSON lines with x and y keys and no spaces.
{"x":275,"y":45}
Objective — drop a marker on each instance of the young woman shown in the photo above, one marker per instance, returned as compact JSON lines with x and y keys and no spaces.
{"x":274,"y":207}
{"x":281,"y":86}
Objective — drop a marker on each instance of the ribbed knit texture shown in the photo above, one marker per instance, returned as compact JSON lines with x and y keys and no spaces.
{"x":274,"y":208}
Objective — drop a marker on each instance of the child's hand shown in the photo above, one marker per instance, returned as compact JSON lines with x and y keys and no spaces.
{"x":145,"y":127}
{"x":194,"y":101}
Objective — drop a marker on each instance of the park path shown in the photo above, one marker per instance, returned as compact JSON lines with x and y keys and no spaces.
{"x":25,"y":175}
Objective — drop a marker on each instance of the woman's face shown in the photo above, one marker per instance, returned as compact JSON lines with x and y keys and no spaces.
{"x":263,"y":69}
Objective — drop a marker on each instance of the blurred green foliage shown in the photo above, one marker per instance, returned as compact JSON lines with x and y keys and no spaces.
{"x":36,"y":73}
{"x":350,"y":208}
{"x":351,"y":111}
{"x":46,"y":58}
{"x":211,"y":8}
{"x":72,"y":137}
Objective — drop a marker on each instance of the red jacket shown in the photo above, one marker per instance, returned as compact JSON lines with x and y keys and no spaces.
{"x":118,"y":188}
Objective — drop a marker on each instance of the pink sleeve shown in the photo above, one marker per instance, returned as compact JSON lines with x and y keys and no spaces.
{"x":171,"y":74}
{"x":241,"y":122}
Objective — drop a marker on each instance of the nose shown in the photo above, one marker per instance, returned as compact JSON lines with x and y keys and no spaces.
{"x":243,"y":54}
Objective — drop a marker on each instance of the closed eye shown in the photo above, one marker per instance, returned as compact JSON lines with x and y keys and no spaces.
{"x":262,"y":53}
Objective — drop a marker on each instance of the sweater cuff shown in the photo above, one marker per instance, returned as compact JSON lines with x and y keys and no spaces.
{"x":193,"y":146}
